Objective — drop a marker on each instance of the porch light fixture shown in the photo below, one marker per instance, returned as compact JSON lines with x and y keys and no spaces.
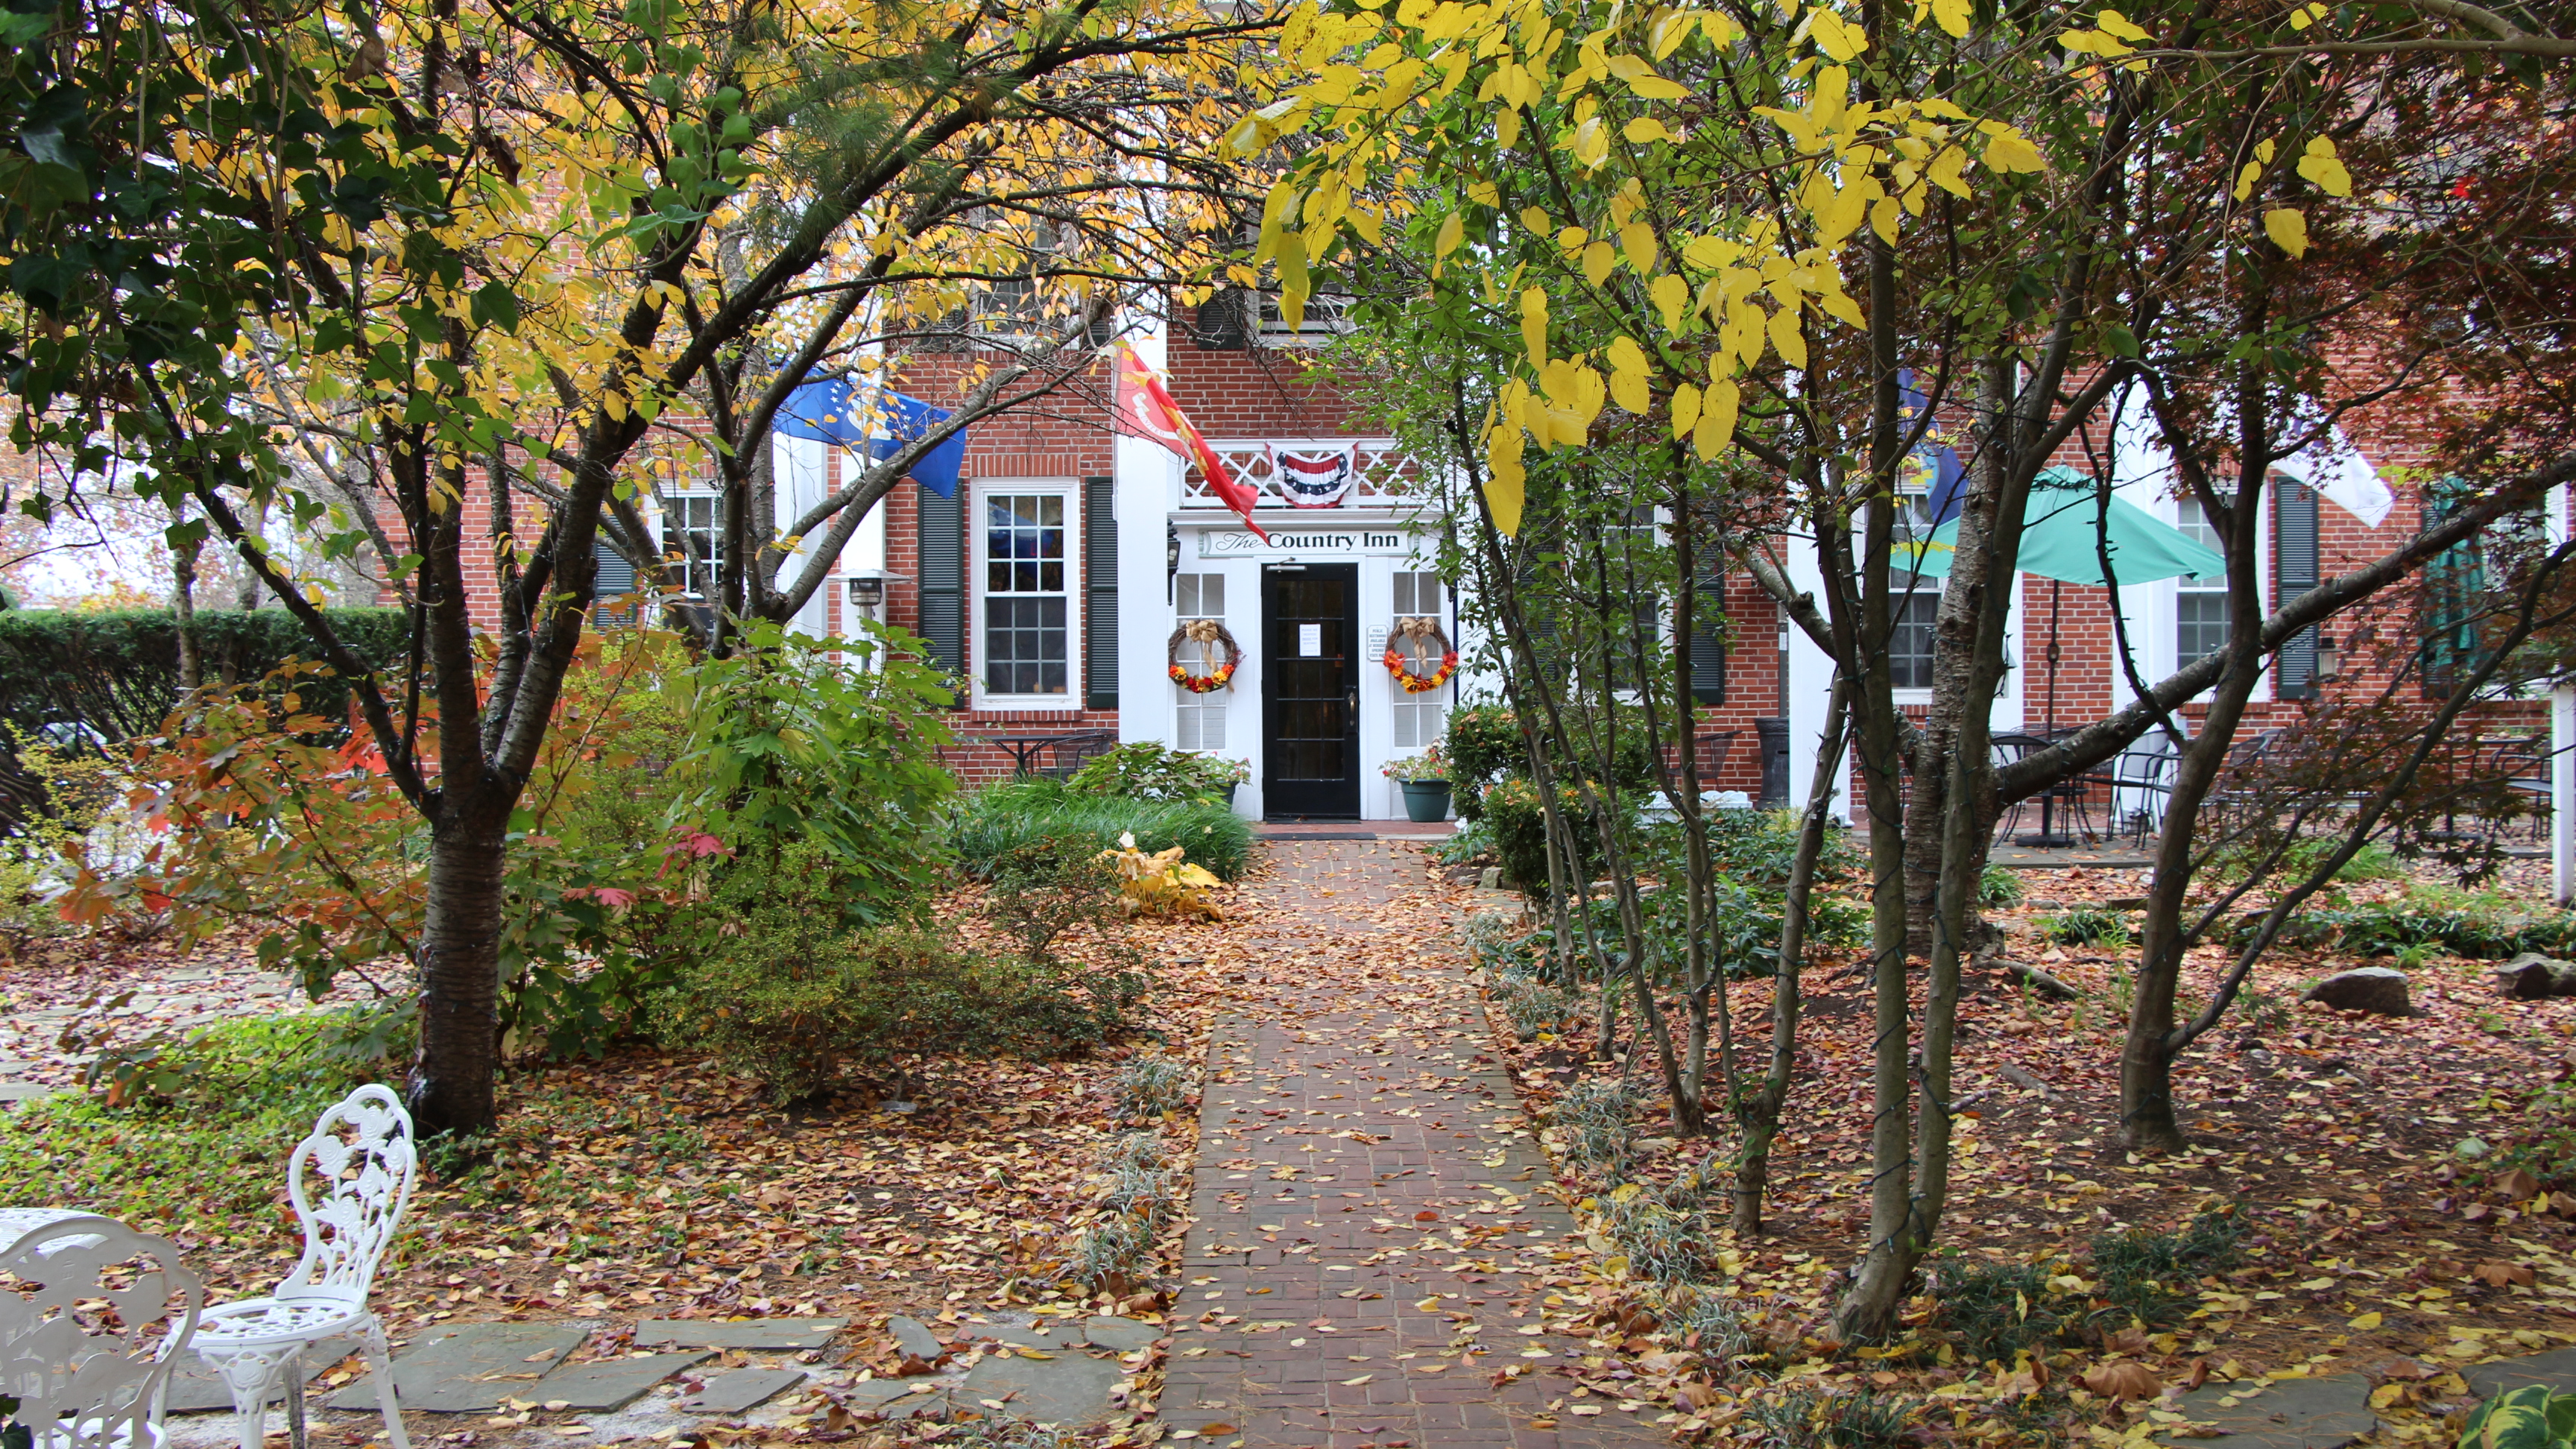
{"x":2329,"y":661}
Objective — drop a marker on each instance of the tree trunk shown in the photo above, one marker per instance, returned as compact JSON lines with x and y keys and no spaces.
{"x":1763,"y":1107}
{"x":451,"y":1087}
{"x":183,"y":604}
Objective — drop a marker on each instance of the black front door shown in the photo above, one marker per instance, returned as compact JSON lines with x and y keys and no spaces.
{"x":1310,"y":716}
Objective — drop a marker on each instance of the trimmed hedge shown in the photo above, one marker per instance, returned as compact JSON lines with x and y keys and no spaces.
{"x":117,"y":671}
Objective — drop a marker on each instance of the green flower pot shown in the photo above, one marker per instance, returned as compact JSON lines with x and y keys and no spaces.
{"x":1425,"y":801}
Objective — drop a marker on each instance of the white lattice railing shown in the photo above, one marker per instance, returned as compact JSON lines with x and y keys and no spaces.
{"x":1386,"y":476}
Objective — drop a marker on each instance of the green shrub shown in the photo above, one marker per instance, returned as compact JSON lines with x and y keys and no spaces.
{"x":1145,"y":770}
{"x":1592,"y":1117}
{"x":1825,"y":1419}
{"x":2151,"y":1277}
{"x":2479,"y":929}
{"x":2000,"y":1310}
{"x":1002,"y":818}
{"x":2087,"y":926}
{"x":2000,"y":887}
{"x":2376,"y":860}
{"x":2142,"y":1276}
{"x":116,"y":672}
{"x":1470,"y":841}
{"x":1484,"y":744}
{"x":1520,"y":831}
{"x":791,"y":986}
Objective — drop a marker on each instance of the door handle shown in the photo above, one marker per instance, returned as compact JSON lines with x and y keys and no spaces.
{"x":1354,"y":701}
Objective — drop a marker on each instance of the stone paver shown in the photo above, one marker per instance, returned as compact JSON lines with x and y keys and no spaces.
{"x":738,"y":1391}
{"x":1370,"y":1209}
{"x":770,"y":1333}
{"x":610,"y":1384}
{"x":473,"y":1366}
{"x":2322,"y":1413}
{"x":197,"y":1389}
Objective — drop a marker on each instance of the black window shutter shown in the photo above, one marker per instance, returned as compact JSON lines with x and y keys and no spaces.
{"x":1223,"y":323}
{"x":942,"y":531}
{"x":1708,"y":640}
{"x":1099,"y":595}
{"x":2294,"y":572}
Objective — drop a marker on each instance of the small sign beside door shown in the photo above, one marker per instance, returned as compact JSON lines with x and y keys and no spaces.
{"x":1310,"y":641}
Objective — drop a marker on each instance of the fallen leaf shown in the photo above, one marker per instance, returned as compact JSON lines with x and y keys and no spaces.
{"x":2122,"y":1381}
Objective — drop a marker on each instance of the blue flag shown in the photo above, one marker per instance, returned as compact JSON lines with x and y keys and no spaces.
{"x":830,"y":412}
{"x":906,"y":419}
{"x":1933,"y":468}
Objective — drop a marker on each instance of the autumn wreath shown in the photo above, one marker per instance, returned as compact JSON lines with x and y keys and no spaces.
{"x":1203,"y":631}
{"x":1399,"y":661}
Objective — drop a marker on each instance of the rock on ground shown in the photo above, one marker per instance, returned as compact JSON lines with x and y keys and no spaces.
{"x":2379,"y":990}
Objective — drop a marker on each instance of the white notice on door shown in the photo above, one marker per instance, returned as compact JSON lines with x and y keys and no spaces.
{"x":1310,"y":641}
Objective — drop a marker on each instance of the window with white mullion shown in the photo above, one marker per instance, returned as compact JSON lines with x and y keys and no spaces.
{"x":1026,"y":549}
{"x":2200,"y":605}
{"x":693,"y":530}
{"x":1199,"y":719}
{"x":1419,"y":719}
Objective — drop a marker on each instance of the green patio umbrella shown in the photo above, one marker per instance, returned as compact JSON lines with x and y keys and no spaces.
{"x":2063,"y":527}
{"x":2060,"y":529}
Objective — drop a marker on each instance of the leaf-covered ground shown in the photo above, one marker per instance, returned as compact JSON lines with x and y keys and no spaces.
{"x":651,"y":1184}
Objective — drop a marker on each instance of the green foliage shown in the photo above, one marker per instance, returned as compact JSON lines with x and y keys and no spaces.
{"x":2000,"y":887}
{"x":788,"y":744}
{"x":116,"y":671}
{"x":1761,"y":847}
{"x":2142,"y":1276}
{"x":794,"y":983}
{"x":1146,"y":770}
{"x":2001,"y":1310}
{"x":2087,"y":926}
{"x":1712,"y":1326}
{"x":1471,"y":840}
{"x":2483,"y":928}
{"x":1115,"y":1253}
{"x":1512,"y":812}
{"x":2376,"y":860}
{"x":1824,"y":1419}
{"x":1483,"y":744}
{"x":198,"y":1135}
{"x":2530,"y":1417}
{"x":1150,"y":1087}
{"x":1592,"y":1119}
{"x":999,"y":819}
{"x":2543,"y":1142}
{"x":2150,"y":1277}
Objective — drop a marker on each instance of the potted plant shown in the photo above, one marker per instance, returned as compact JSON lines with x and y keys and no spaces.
{"x":1425,"y":781}
{"x":1224,"y":775}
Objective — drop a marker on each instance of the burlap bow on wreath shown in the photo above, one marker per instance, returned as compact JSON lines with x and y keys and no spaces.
{"x":1202,"y":632}
{"x":1399,"y":660}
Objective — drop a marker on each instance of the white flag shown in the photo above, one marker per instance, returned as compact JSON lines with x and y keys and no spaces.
{"x":2335,"y":468}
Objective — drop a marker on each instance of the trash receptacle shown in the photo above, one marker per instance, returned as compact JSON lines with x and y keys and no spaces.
{"x":1773,"y":737}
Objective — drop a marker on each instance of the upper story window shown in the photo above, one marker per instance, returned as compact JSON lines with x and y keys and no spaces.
{"x":1025,"y":553}
{"x":1327,"y":317}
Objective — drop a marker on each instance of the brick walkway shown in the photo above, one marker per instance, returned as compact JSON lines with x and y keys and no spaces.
{"x":1370,"y":1216}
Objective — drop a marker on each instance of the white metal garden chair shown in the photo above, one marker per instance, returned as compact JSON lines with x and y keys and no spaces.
{"x":350,"y":1182}
{"x":93,"y":1318}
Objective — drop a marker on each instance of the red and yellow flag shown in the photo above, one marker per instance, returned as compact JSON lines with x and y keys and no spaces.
{"x":1146,"y":410}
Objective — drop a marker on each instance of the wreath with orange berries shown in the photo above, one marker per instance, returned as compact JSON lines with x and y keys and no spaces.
{"x":1202,"y":631}
{"x":1400,"y":664}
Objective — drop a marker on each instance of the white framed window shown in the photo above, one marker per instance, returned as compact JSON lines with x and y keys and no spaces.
{"x":1909,"y":641}
{"x":1199,"y":719}
{"x":1419,"y":719}
{"x":693,"y":530}
{"x":1327,"y":316}
{"x":1027,"y":630}
{"x":2200,"y":605}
